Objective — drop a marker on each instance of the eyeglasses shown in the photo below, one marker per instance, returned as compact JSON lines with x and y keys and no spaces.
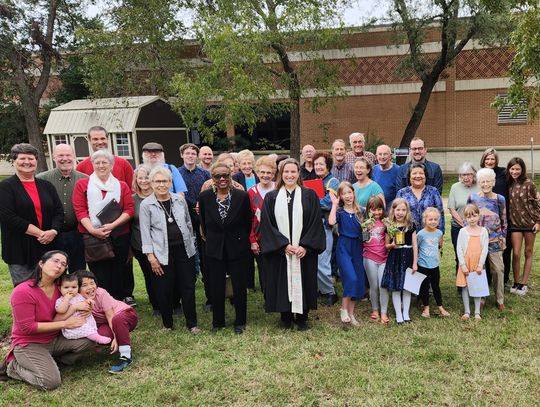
{"x":161,"y":181}
{"x":217,"y":177}
{"x":58,"y":262}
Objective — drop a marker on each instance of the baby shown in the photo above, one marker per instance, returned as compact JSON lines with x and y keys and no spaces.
{"x":69,"y":287}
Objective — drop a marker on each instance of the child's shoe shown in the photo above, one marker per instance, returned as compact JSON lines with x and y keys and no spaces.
{"x":522,"y":289}
{"x":122,"y":365}
{"x":514,"y":288}
{"x":345,"y":318}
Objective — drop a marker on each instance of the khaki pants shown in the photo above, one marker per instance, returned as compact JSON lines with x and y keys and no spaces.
{"x":35,"y":364}
{"x":496,"y":265}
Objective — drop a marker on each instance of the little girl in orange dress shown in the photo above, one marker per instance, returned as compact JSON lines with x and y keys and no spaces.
{"x":472,"y":250}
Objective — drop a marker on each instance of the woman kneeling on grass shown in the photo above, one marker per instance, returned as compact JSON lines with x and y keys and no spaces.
{"x":36,"y":343}
{"x":115,"y":319}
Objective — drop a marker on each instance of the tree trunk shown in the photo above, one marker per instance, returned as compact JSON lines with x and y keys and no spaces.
{"x":295,"y":128}
{"x":418,"y":112}
{"x":31,"y":119}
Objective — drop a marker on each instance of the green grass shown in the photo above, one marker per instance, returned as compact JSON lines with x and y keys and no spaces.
{"x":429,"y":362}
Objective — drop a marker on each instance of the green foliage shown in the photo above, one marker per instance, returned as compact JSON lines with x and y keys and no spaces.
{"x":247,"y":66}
{"x":524,"y":91}
{"x":135,"y":49}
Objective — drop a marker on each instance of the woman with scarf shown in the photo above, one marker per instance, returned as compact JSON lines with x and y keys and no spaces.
{"x":292,"y":237}
{"x":90,"y":196}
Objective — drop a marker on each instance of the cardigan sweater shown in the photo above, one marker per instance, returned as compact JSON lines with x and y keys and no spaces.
{"x":463,"y":243}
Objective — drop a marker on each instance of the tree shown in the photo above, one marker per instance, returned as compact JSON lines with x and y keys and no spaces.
{"x":247,"y":65}
{"x":136,"y":51}
{"x":31,"y":35}
{"x":455,"y":22}
{"x":524,"y":90}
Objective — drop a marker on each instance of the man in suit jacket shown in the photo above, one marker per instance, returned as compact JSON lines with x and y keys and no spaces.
{"x":225,"y":215}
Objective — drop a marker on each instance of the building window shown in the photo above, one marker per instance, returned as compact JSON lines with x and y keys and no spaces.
{"x":122,"y":145}
{"x":61,"y":139}
{"x":508,"y":114}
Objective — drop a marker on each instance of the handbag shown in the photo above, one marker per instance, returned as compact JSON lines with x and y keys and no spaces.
{"x":97,"y":249}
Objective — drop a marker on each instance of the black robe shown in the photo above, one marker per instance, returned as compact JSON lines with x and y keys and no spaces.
{"x":273,"y":245}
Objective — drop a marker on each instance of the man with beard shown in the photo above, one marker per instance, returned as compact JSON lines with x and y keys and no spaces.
{"x":63,"y":177}
{"x":153,"y":156}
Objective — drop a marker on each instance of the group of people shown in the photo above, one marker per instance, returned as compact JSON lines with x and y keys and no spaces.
{"x":354,"y":215}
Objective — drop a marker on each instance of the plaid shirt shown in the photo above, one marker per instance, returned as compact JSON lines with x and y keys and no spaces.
{"x":344,"y":172}
{"x":350,"y":157}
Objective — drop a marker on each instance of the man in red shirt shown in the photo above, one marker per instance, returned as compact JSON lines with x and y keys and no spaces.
{"x":99,"y":140}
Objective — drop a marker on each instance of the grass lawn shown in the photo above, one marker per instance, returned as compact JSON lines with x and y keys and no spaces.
{"x":429,"y":362}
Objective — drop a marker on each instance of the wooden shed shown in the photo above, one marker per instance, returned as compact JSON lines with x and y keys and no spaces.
{"x":130,"y":121}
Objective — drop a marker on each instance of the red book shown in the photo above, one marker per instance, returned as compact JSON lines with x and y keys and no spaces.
{"x":317,"y":186}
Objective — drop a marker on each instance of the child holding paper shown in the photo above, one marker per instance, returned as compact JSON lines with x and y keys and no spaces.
{"x":429,"y":241}
{"x":472,"y":250}
{"x":400,"y":258}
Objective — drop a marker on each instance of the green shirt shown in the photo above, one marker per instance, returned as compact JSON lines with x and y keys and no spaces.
{"x":64,"y":187}
{"x":457,"y":199}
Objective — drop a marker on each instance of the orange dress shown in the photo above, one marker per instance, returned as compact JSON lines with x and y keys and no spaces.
{"x":472,"y":257}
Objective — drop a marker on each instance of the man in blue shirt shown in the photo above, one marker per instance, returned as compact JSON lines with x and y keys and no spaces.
{"x":385,"y":173}
{"x":153,"y":155}
{"x":418,"y":153}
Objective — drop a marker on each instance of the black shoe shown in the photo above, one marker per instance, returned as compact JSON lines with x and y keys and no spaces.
{"x":130,"y":301}
{"x":287,"y":325}
{"x":239,"y":329}
{"x":302,"y":326}
{"x":216,"y":329}
{"x":330,"y":299}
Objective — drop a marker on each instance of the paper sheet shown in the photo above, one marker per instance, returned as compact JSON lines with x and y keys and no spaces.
{"x":477,"y":284}
{"x":413,"y":281}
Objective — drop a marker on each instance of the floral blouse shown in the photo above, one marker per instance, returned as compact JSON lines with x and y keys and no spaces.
{"x":430,"y":198}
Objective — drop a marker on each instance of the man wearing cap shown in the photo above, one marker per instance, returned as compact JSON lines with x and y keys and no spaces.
{"x":98,"y":138}
{"x":63,"y":177}
{"x":153,"y":155}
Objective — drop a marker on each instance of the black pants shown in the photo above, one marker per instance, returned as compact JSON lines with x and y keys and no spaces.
{"x":178,"y":278}
{"x":250,"y":272}
{"x":454,"y":233}
{"x":147,"y":273}
{"x":72,"y":243}
{"x":110,"y":272}
{"x":260,"y":268}
{"x":433,"y":278}
{"x":201,"y":253}
{"x":217,"y":270}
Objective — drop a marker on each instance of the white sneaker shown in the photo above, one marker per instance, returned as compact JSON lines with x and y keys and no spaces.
{"x":522,"y":291}
{"x":513,"y":289}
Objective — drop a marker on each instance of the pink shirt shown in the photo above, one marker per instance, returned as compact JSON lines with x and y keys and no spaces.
{"x":104,"y":302}
{"x":29,"y":306}
{"x":374,"y":248}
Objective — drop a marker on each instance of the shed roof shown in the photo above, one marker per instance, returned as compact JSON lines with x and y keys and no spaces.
{"x":117,"y":115}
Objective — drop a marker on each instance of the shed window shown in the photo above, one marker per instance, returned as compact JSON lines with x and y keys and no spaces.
{"x":122,"y":145}
{"x":61,"y":139}
{"x":508,"y":115}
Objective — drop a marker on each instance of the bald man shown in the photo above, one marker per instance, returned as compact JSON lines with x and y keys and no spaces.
{"x":307,"y":171}
{"x":385,"y":173}
{"x":63,"y":177}
{"x":206,"y":155}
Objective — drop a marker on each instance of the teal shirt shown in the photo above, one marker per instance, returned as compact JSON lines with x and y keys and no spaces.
{"x":363,"y":194}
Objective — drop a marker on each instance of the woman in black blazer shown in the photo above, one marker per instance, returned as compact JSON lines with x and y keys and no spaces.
{"x":31,"y":215}
{"x":225,"y":214}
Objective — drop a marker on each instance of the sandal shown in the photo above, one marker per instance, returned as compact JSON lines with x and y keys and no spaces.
{"x":384,"y":319}
{"x":345,"y":318}
{"x":354,"y":322}
{"x":425,"y":313}
{"x":465,"y":317}
{"x":374,"y":316}
{"x":443,"y":313}
{"x":477,"y":317}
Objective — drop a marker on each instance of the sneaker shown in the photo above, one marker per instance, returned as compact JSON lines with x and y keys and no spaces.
{"x":122,"y":365}
{"x":514,"y":288}
{"x":130,"y":301}
{"x":522,"y":290}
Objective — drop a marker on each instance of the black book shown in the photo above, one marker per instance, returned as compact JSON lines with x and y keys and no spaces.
{"x":110,"y":212}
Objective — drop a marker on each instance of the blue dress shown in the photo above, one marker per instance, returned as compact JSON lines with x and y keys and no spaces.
{"x":349,"y":254}
{"x":399,"y":260}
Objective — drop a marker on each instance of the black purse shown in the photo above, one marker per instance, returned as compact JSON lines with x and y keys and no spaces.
{"x":97,"y":249}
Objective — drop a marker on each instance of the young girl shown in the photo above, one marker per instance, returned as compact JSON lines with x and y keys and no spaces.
{"x":429,"y":241}
{"x":349,"y":248}
{"x":524,"y":220}
{"x":472,"y":250}
{"x":69,"y":288}
{"x":114,"y":318}
{"x":375,"y":255}
{"x":400,"y":258}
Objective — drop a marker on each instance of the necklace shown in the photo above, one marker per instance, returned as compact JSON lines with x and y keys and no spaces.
{"x":170,"y":218}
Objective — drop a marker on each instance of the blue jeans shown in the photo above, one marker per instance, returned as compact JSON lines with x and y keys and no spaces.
{"x":72,"y":243}
{"x":324,"y":272}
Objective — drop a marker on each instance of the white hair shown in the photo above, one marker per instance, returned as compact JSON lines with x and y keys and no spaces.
{"x":104,"y":153}
{"x":356,"y":134}
{"x":486,"y":173}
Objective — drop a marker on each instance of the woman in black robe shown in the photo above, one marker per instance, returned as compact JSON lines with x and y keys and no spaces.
{"x":284,"y":250}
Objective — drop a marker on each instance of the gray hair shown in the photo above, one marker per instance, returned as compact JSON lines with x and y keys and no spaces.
{"x":486,"y":173}
{"x":104,"y":153}
{"x":23,"y":148}
{"x":466,"y":168}
{"x":160,"y":170}
{"x":356,"y":134}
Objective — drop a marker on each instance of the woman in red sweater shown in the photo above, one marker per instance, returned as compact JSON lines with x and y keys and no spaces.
{"x":35,"y":337}
{"x":90,"y":196}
